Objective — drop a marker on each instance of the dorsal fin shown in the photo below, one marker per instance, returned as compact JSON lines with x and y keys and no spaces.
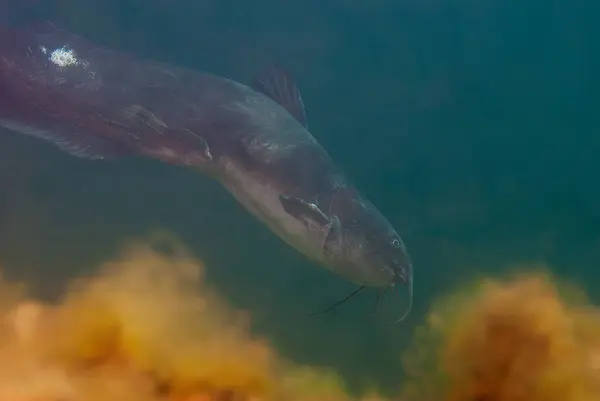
{"x":277,"y":83}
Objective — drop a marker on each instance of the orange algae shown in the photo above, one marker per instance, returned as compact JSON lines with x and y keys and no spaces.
{"x":519,"y":339}
{"x":146,"y":328}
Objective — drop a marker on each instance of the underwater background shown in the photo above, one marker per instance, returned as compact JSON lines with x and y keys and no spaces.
{"x":472,"y":125}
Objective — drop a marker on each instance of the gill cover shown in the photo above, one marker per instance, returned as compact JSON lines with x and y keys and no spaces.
{"x":333,"y":243}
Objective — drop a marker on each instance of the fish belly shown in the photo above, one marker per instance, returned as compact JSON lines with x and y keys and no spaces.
{"x":262,"y":200}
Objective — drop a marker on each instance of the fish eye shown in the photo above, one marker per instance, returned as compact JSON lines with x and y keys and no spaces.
{"x":396,"y":243}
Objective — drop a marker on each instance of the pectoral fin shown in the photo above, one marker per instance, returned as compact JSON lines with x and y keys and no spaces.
{"x":140,"y":118}
{"x":154,"y":138}
{"x":302,"y":210}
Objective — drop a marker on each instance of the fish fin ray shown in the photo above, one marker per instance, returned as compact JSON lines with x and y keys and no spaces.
{"x":303,"y":210}
{"x":277,"y":84}
{"x":198,"y":145}
{"x":139,"y":115}
{"x":156,"y":139}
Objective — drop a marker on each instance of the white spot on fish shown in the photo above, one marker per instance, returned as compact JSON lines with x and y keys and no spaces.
{"x":64,"y":57}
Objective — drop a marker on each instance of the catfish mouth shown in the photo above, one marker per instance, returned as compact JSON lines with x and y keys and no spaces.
{"x":379,"y":277}
{"x":401,"y":274}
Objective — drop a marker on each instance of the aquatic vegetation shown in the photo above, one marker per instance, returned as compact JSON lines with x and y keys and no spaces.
{"x":522,"y":338}
{"x":146,"y":328}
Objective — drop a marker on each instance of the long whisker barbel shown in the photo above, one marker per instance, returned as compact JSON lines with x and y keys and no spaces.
{"x":410,"y":300}
{"x":338,"y":303}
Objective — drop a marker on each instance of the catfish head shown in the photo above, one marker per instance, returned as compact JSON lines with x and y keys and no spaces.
{"x":358,"y":241}
{"x":361,"y":243}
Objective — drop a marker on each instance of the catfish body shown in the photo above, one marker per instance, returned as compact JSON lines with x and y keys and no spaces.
{"x":98,"y":103}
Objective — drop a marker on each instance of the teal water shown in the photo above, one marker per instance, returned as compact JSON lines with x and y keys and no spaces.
{"x":471,"y":124}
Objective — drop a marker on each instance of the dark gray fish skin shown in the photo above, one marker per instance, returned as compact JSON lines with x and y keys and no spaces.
{"x":97,"y":103}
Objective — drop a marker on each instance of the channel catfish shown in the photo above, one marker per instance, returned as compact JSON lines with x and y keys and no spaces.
{"x":98,"y":103}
